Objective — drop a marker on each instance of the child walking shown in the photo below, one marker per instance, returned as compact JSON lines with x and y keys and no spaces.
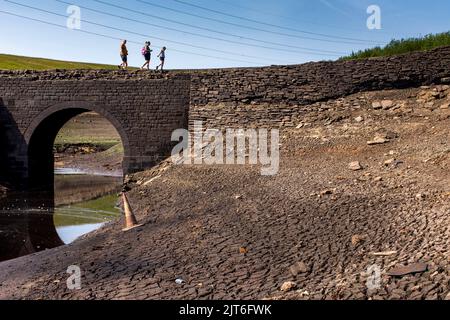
{"x":162,"y":58}
{"x":147,"y":53}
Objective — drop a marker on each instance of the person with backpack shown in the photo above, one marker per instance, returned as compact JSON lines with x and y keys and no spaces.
{"x":147,"y":53}
{"x":162,"y":58}
{"x":123,"y":55}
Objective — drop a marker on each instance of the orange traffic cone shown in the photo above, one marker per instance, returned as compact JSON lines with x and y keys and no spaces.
{"x":130,"y":219}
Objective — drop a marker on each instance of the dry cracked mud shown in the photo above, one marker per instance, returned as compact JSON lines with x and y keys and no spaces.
{"x":231,"y":233}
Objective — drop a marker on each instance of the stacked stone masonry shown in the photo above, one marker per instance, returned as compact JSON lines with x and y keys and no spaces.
{"x":146,"y":107}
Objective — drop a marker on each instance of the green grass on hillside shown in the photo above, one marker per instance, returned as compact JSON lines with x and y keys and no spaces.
{"x":11,"y":62}
{"x":396,"y":47}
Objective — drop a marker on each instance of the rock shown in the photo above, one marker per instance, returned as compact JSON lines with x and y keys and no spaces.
{"x":288,"y":286}
{"x":376,"y":105}
{"x":384,"y":253}
{"x":377,"y":140}
{"x":387,"y":104}
{"x":326,"y":192}
{"x":429,"y":105}
{"x":355,"y":166}
{"x":301,"y":125}
{"x":447,"y":297}
{"x":378,"y":179}
{"x":243,"y":250}
{"x":410,"y":269}
{"x":297,"y":268}
{"x":420,"y":196}
{"x":359,"y":119}
{"x":179,"y":281}
{"x":357,"y":239}
{"x":445,"y":106}
{"x":302,"y":294}
{"x":389,"y":162}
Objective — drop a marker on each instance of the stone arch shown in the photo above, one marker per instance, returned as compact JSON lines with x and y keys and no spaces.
{"x":42,"y":131}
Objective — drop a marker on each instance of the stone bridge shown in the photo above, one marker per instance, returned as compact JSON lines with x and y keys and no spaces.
{"x":145,"y":108}
{"x":144,"y":114}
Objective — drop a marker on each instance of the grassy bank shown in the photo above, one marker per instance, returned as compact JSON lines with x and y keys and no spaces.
{"x":90,"y":129}
{"x":402,"y":46}
{"x":12,"y":62}
{"x":94,"y":211}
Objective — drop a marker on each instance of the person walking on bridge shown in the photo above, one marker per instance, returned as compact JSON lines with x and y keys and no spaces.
{"x":147,"y":53}
{"x":124,"y":55}
{"x":162,"y":58}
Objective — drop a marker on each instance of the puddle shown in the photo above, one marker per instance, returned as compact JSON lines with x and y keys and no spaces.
{"x":84,"y":203}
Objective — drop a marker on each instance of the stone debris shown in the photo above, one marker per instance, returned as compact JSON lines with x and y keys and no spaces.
{"x":410,"y":269}
{"x":377,"y":140}
{"x":390,"y":162}
{"x":420,"y":196}
{"x":387,"y":104}
{"x":326,"y":192}
{"x":243,"y":250}
{"x":298,"y":268}
{"x":151,"y":180}
{"x":384,"y":253}
{"x":357,"y":239}
{"x":355,"y":166}
{"x":376,"y":105}
{"x":288,"y":286}
{"x":359,"y":119}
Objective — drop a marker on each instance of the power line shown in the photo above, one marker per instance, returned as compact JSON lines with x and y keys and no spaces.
{"x":240,"y":25}
{"x":157,"y":26}
{"x":273,"y":25}
{"x":325,"y":53}
{"x":122,"y":30}
{"x":220,"y":21}
{"x":115,"y":38}
{"x":282,"y":16}
{"x":313,"y":51}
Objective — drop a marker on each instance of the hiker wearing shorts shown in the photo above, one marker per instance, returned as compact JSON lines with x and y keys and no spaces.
{"x":162,"y":58}
{"x":124,"y":55}
{"x":147,"y":53}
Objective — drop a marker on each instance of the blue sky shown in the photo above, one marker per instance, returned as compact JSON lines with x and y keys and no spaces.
{"x":230,"y":33}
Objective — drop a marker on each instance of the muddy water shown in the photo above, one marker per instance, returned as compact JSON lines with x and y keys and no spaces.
{"x":83,"y":203}
{"x":80,"y":204}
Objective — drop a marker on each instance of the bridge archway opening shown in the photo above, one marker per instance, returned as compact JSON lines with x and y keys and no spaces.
{"x":79,"y":130}
{"x":42,"y":135}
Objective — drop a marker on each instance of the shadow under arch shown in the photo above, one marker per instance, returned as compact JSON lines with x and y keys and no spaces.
{"x":42,"y":132}
{"x":40,"y":137}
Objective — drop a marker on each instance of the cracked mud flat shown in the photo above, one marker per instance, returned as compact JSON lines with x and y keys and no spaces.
{"x":316,"y":213}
